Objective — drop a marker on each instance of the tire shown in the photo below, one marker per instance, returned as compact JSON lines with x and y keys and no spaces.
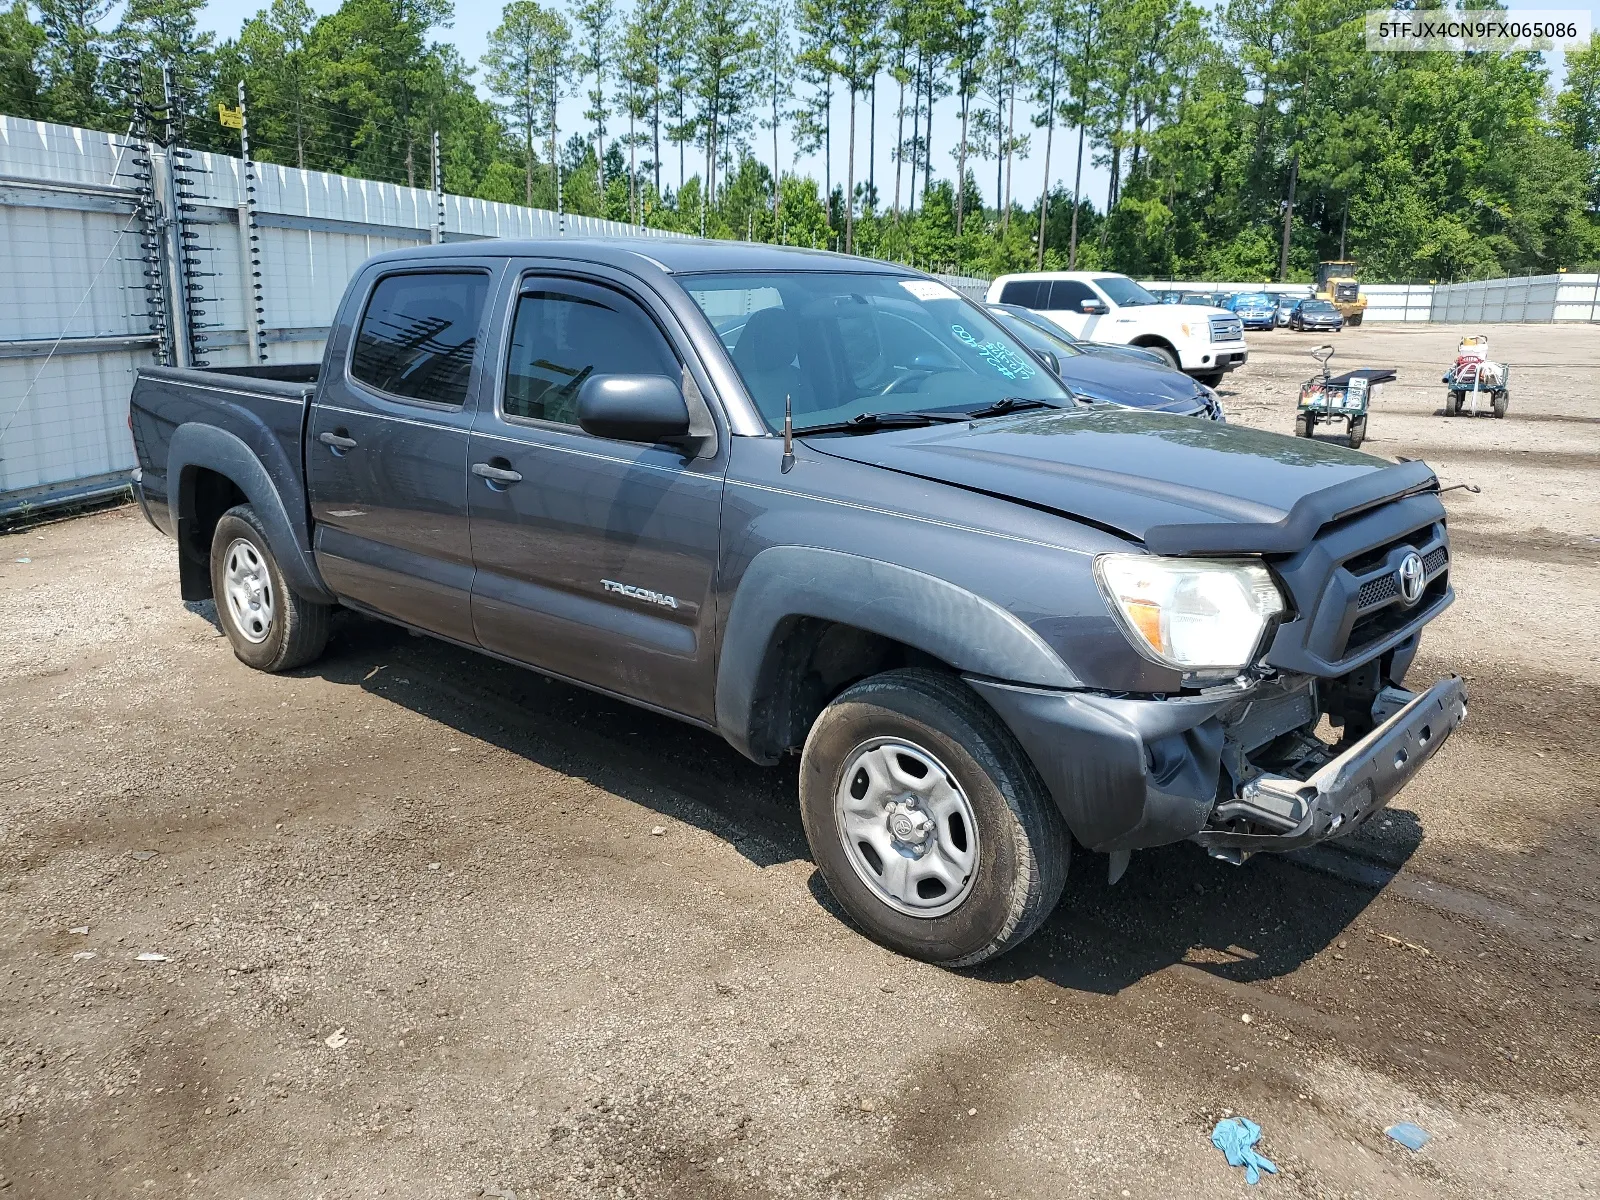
{"x":1358,"y":432}
{"x":1451,"y":401}
{"x":270,"y":628}
{"x":1355,"y":320}
{"x":1304,"y":424}
{"x":1501,"y":402}
{"x":1213,"y":379}
{"x":1016,"y":849}
{"x":1169,"y":355}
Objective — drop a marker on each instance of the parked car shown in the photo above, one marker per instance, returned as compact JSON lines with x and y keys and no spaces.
{"x":875,"y":533}
{"x":1255,"y":310}
{"x":1285,"y":303}
{"x":1201,"y":340}
{"x":1099,"y":349}
{"x":1313,"y":315}
{"x":1130,"y":382}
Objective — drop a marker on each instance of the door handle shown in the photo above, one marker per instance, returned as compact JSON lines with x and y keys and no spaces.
{"x":336,"y":441}
{"x":496,"y":474}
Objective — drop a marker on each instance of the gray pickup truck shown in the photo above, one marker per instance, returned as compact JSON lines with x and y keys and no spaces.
{"x":827,"y":506}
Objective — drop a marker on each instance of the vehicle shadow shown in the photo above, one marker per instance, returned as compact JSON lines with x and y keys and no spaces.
{"x":663,"y":764}
{"x":1174,"y":904}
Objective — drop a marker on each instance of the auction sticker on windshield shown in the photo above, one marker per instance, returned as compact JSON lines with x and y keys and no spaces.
{"x":928,"y":289}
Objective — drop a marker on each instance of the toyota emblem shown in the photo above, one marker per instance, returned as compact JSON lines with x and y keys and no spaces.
{"x":1410,"y":576}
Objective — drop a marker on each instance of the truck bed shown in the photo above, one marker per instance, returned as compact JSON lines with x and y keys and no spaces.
{"x":264,"y":407}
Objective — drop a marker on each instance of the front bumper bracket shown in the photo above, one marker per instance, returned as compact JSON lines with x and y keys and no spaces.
{"x":1343,"y":793}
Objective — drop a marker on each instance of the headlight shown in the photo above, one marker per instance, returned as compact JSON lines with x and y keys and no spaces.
{"x":1212,"y":402}
{"x":1188,"y":613}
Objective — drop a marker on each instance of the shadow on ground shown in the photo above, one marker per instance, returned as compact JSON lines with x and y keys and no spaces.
{"x":1175,"y":904}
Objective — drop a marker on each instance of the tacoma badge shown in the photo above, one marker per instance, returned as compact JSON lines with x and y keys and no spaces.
{"x":639,"y":593}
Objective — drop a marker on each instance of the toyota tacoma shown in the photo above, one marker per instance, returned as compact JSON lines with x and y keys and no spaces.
{"x":827,"y":507}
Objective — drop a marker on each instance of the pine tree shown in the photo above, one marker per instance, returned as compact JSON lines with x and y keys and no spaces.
{"x":595,"y":20}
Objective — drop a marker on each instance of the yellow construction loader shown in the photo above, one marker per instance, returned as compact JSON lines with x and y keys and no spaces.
{"x":1336,"y":283}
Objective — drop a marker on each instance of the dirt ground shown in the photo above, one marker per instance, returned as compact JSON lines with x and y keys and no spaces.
{"x":432,"y":926}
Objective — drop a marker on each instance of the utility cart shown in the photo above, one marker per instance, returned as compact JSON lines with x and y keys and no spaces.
{"x":1476,"y":384}
{"x":1326,"y":398}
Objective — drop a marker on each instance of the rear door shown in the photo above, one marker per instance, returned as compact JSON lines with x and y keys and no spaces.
{"x":386,"y":459}
{"x":595,"y":558}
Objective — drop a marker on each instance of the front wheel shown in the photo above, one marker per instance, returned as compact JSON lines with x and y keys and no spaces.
{"x":1213,"y":379}
{"x":1501,"y":402}
{"x":1304,"y":424}
{"x":1358,"y":432}
{"x":1452,"y":401}
{"x":1355,"y":320}
{"x":269,"y":626}
{"x":1170,"y":356}
{"x":927,"y":821}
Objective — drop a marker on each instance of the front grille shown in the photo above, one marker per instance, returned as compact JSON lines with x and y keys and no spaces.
{"x":1376,"y":626}
{"x":1436,"y":559}
{"x":1227,"y":329}
{"x":1385,"y":587}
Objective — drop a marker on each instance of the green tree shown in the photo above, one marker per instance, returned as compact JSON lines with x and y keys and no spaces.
{"x":272,"y":56}
{"x":1577,"y":112}
{"x":968,"y":42}
{"x":71,"y":63}
{"x":726,"y":60}
{"x":860,"y":58}
{"x":21,"y":44}
{"x":777,"y":82}
{"x":512,"y":74}
{"x":595,"y":21}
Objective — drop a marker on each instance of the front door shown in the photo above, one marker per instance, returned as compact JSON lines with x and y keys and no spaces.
{"x":595,"y":558}
{"x":386,"y":455}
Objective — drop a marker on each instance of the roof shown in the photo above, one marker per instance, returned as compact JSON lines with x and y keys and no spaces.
{"x":675,"y":255}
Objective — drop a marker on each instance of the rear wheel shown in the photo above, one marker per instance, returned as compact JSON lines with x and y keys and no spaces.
{"x":1354,"y":319}
{"x":1358,"y":431}
{"x":1501,"y":401}
{"x":1451,"y":401}
{"x":927,"y":821}
{"x":1304,"y":424}
{"x":269,"y":627}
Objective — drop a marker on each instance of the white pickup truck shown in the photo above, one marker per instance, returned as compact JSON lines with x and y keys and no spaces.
{"x":1101,"y":307}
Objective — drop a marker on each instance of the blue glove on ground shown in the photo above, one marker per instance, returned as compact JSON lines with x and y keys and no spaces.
{"x":1236,"y":1137}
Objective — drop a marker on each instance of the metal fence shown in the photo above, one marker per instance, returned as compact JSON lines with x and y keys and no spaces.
{"x":116,"y":253}
{"x":1536,"y":299}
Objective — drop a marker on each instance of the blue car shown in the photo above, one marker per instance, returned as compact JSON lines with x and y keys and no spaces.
{"x":1116,"y":379}
{"x":1255,"y":310}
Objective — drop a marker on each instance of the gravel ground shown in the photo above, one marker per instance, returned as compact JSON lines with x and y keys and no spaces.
{"x":433,"y":926}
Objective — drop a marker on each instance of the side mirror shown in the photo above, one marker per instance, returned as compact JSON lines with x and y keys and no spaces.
{"x":1049,"y":359}
{"x":1093,"y":307}
{"x":633,"y":408}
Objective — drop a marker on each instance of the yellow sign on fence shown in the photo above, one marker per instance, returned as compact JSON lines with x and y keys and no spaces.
{"x":230,"y":118}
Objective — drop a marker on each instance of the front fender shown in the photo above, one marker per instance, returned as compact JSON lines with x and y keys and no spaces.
{"x":195,"y":447}
{"x":969,"y":633}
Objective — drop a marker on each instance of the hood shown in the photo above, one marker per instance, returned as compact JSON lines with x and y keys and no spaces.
{"x":1193,"y":313}
{"x":1134,"y":471}
{"x":1135,"y":383}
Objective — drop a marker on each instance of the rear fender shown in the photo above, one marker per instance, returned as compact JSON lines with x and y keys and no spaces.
{"x":197,"y":447}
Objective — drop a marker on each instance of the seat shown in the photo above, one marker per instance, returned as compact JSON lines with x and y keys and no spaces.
{"x":765,"y":355}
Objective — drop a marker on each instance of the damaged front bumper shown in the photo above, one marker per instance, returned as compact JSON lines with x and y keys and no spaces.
{"x":1344,"y":792}
{"x":1131,"y":773}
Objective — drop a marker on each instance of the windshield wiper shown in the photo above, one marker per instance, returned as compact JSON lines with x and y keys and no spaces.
{"x":1010,"y":404}
{"x":872,"y":421}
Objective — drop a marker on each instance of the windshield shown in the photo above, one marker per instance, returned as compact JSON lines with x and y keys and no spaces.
{"x":1316,"y":306}
{"x":1254,"y":300}
{"x":845,"y":344}
{"x":1034,"y":337}
{"x":1124,"y":292}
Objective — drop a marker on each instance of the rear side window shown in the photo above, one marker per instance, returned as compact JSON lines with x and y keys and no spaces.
{"x":419,"y":334}
{"x":1068,"y":295}
{"x":564,"y":333}
{"x":1028,"y":293}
